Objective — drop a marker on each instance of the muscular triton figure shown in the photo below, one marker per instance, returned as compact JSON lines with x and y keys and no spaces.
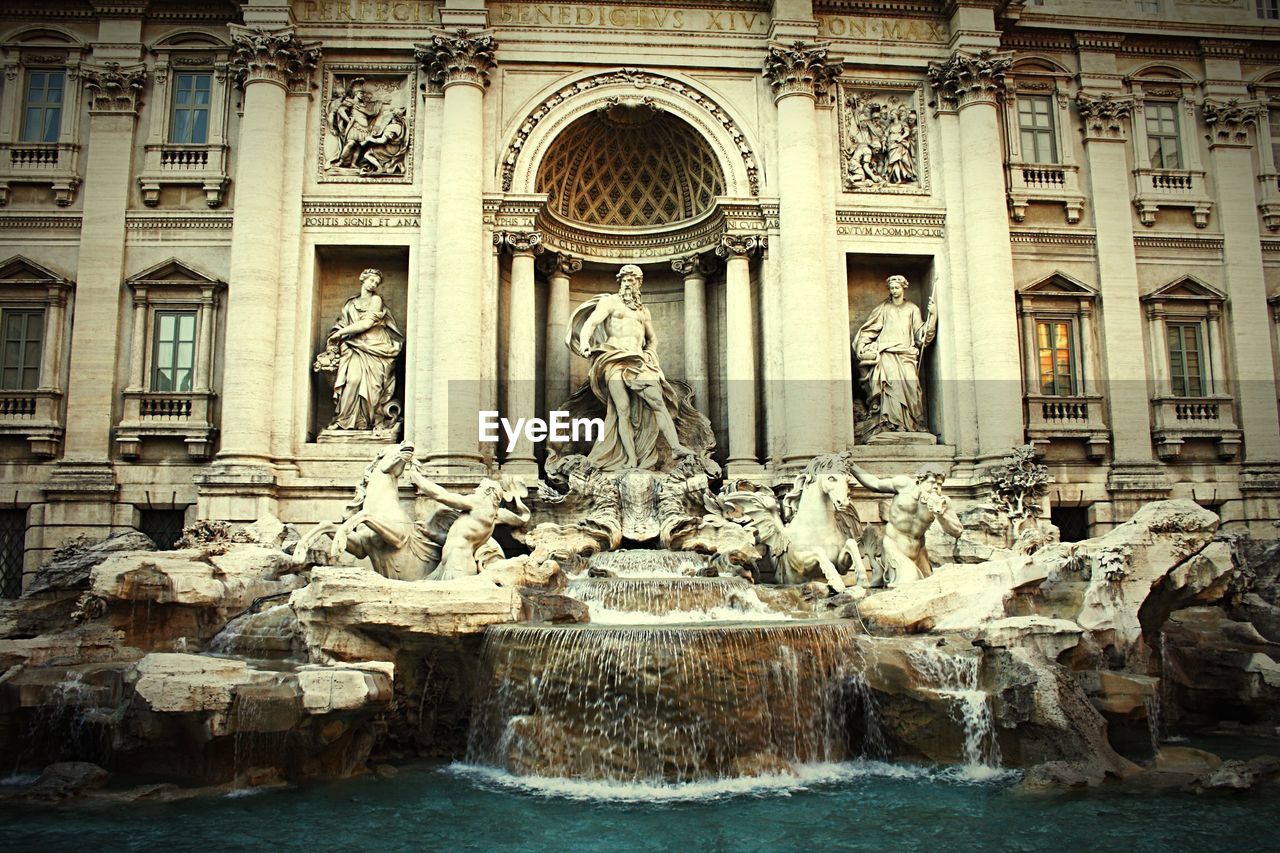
{"x":915,"y":505}
{"x":615,"y":331}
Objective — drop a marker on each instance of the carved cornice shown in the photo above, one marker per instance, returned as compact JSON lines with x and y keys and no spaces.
{"x":1104,"y":115}
{"x":559,"y":263}
{"x":1224,"y":48}
{"x":742,"y":245}
{"x":1108,"y":42}
{"x":114,"y":89}
{"x":274,"y":56}
{"x":458,"y":56}
{"x":361,"y":207}
{"x":800,"y":68}
{"x":969,"y":78}
{"x":518,"y":243}
{"x":1229,"y":121}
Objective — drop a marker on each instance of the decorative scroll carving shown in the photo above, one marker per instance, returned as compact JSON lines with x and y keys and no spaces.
{"x":690,"y":265}
{"x":742,"y":244}
{"x":639,"y":80}
{"x":114,"y":89}
{"x":1229,"y":121}
{"x":553,"y":263}
{"x":368,"y":126}
{"x":879,"y":142}
{"x":518,"y":243}
{"x":967,"y":78}
{"x":459,"y":56}
{"x":800,"y":69}
{"x":273,"y":55}
{"x":1104,"y":115}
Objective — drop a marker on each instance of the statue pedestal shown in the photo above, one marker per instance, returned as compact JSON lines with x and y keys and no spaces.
{"x":358,"y":436}
{"x":902,"y":438}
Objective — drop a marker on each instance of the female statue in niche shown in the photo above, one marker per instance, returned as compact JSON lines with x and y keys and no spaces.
{"x":361,"y":352}
{"x":888,"y":347}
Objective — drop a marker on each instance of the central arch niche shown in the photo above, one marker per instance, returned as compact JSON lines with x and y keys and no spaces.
{"x":630,"y":166}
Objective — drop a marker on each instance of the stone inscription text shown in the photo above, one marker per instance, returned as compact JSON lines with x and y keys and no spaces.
{"x":360,"y":222}
{"x":594,"y":16}
{"x":887,"y":231}
{"x":366,"y":11}
{"x":881,"y":29}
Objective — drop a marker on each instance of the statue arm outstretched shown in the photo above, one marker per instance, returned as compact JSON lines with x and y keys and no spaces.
{"x":589,"y":325}
{"x":511,"y":519}
{"x":439,"y":493}
{"x":875,"y":484}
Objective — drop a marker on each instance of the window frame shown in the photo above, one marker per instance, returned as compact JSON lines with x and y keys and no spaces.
{"x":158,"y":315}
{"x":1175,"y":135}
{"x":1183,"y":376}
{"x":1267,"y":10}
{"x":192,"y":108}
{"x":1050,"y":132}
{"x":6,"y":311}
{"x":1071,"y":321}
{"x":44,"y":107}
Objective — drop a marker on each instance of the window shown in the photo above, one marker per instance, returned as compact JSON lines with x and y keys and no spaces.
{"x":190,"y":124}
{"x":1186,"y":374}
{"x":13,"y":534}
{"x":163,"y":526}
{"x":42,"y":106}
{"x":1072,"y":522}
{"x":1273,"y":122}
{"x":1269,"y":9}
{"x":173,"y":359}
{"x":1162,"y":135}
{"x":1035,"y":124}
{"x":1147,"y":5}
{"x":1056,"y":357}
{"x":23,"y":330}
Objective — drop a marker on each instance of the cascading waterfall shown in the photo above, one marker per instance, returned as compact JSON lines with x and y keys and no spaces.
{"x":956,"y":677}
{"x":665,"y":704}
{"x":645,"y":563}
{"x":630,"y":600}
{"x":265,"y":634}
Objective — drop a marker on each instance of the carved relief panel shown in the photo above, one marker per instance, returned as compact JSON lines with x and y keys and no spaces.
{"x":368,"y":123}
{"x":882,"y":137}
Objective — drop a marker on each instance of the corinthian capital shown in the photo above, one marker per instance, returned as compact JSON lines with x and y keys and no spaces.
{"x":691,"y":265}
{"x":741,"y":245}
{"x":113,"y":89}
{"x":1103,"y":115}
{"x":1229,"y":121}
{"x":800,"y":69}
{"x":518,"y":243}
{"x":276,"y":56}
{"x":558,"y":263}
{"x":969,"y":78}
{"x":459,"y":56}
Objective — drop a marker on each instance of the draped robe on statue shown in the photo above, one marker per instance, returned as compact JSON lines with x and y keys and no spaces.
{"x":888,"y":347}
{"x":592,"y":400}
{"x":366,"y":380}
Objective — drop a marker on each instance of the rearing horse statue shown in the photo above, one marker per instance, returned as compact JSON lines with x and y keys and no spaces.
{"x":814,"y":535}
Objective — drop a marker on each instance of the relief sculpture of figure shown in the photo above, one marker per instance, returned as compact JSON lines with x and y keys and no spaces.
{"x":888,"y":347}
{"x":649,"y":422}
{"x":361,"y":352}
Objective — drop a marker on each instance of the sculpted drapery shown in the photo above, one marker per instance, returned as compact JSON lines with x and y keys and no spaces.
{"x":888,"y":348}
{"x":367,"y":344}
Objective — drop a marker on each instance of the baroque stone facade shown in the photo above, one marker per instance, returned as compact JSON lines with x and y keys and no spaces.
{"x":188,"y":191}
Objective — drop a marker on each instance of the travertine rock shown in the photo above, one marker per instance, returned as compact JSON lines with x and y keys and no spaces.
{"x":350,"y":614}
{"x":326,"y":689}
{"x":954,"y":598}
{"x":69,"y":568}
{"x":1049,"y":637}
{"x":229,"y":580}
{"x":179,"y":683}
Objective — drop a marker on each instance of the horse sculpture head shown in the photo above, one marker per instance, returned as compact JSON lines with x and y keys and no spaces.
{"x":829,"y":476}
{"x":392,"y":459}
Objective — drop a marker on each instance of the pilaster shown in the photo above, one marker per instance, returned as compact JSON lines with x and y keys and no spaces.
{"x":521,"y":368}
{"x":694,"y":269}
{"x":559,"y":269}
{"x":740,"y":351}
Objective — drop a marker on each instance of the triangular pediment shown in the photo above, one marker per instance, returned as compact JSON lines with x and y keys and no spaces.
{"x":20,"y":270}
{"x":172,"y":272}
{"x":1058,"y":284}
{"x":1187,"y":287}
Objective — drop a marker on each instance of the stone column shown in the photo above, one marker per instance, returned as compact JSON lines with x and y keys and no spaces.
{"x":797,"y":72}
{"x":51,"y":352}
{"x":559,"y":267}
{"x":1234,"y":182}
{"x":971,"y":84}
{"x":266,"y":62}
{"x":113,"y":112}
{"x":522,"y":368}
{"x":459,"y":61}
{"x":740,"y":352}
{"x":138,"y":350}
{"x":204,"y":355}
{"x":694,"y":270}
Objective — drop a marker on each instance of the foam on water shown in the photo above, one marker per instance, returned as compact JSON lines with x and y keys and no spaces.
{"x":607,"y":616}
{"x":802,"y":777}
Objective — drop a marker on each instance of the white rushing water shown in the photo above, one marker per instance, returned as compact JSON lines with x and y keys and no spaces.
{"x":684,"y":601}
{"x":956,"y":678}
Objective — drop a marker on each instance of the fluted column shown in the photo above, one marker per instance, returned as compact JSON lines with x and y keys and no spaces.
{"x":559,"y":267}
{"x":797,"y":72}
{"x":971,"y":84}
{"x":1230,"y":122}
{"x":113,"y":112}
{"x":459,"y":61}
{"x":266,"y":63}
{"x":1128,"y":403}
{"x":138,"y":349}
{"x":694,"y":270}
{"x":521,"y":373}
{"x":740,"y":352}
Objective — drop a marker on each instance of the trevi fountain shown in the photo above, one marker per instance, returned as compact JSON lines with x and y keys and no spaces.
{"x":637,"y":651}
